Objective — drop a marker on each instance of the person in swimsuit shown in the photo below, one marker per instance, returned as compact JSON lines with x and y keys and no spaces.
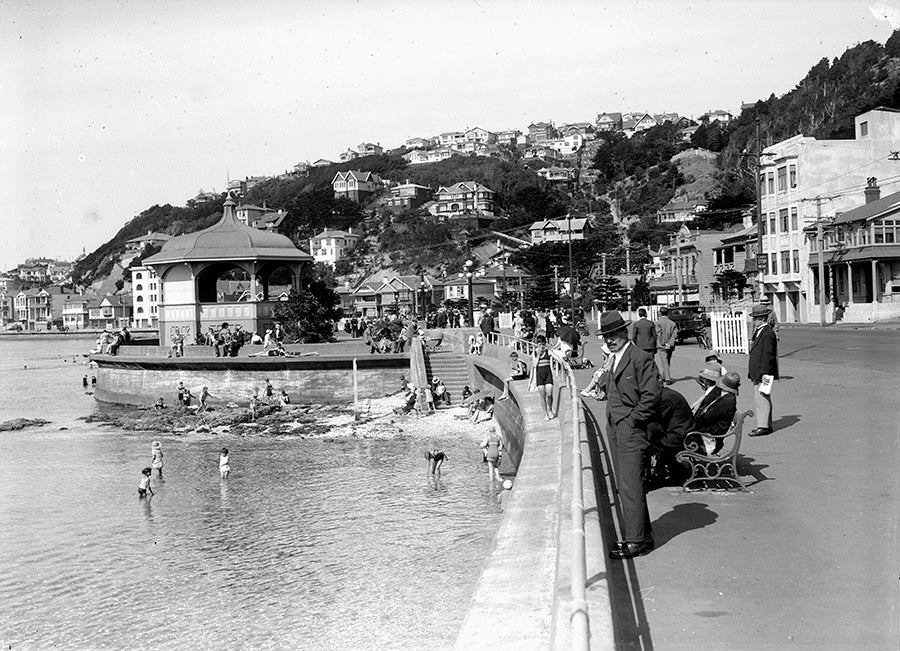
{"x":144,"y":486}
{"x":204,"y":396}
{"x":493,"y":450}
{"x":224,"y":466}
{"x":542,"y":376}
{"x":156,"y":457}
{"x":518,"y":371}
{"x":435,"y":459}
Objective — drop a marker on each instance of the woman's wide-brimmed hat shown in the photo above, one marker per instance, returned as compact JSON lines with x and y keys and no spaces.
{"x":760,"y":311}
{"x":712,"y":355}
{"x":730,"y":382}
{"x":712,"y":372}
{"x":611,"y":322}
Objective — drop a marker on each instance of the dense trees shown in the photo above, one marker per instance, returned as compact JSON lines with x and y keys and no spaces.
{"x":309,"y":314}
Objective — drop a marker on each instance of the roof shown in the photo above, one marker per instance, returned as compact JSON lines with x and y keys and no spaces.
{"x":228,"y":239}
{"x":149,"y":237}
{"x":333,"y":233}
{"x":358,"y":175}
{"x":250,"y":206}
{"x":464,"y":186}
{"x":683,"y":205}
{"x":872,"y":210}
{"x":559,"y":224}
{"x":615,"y":117}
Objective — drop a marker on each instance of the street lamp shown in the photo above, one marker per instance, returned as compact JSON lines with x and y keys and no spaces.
{"x":468,"y":274}
{"x":422,"y":294}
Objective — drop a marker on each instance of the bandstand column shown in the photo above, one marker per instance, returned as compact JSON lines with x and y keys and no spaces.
{"x":849,"y":283}
{"x":874,"y":281}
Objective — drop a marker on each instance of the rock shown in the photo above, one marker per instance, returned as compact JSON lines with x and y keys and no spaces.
{"x":22,"y":423}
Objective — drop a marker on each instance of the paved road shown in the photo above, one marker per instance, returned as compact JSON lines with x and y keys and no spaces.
{"x":807,"y":557}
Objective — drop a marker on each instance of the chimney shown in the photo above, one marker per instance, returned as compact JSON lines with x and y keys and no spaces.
{"x":872,"y":191}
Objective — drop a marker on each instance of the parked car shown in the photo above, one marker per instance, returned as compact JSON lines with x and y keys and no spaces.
{"x":692,"y":321}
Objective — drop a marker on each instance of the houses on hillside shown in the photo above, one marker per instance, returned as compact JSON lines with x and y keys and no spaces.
{"x":332,"y":245}
{"x":356,"y":185}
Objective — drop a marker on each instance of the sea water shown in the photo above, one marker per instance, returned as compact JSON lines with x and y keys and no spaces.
{"x":309,"y":544}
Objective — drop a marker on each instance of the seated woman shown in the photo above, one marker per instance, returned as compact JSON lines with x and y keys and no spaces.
{"x":715,"y":412}
{"x":485,"y":411}
{"x":519,"y":372}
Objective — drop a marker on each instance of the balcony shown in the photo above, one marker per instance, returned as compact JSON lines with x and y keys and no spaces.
{"x":723,"y":267}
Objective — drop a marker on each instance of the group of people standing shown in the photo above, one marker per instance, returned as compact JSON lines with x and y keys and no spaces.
{"x":156,"y":463}
{"x":646,"y":418}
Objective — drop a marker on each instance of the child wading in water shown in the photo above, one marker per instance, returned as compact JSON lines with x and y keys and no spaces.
{"x":144,"y":486}
{"x":224,"y":467}
{"x":156,"y":457}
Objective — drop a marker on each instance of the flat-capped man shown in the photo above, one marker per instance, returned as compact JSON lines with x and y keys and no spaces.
{"x":633,"y":394}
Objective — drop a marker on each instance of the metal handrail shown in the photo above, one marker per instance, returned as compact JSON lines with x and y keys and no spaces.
{"x":580,"y":618}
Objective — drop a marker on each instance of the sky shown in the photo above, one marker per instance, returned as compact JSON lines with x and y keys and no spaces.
{"x":111,"y":107}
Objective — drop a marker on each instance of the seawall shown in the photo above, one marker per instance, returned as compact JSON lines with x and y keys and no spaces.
{"x":140,"y":380}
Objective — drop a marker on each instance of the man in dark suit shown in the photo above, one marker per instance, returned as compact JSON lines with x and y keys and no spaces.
{"x":643,"y":333}
{"x":763,"y":368}
{"x":666,"y":338}
{"x":633,"y":393}
{"x":667,"y":433}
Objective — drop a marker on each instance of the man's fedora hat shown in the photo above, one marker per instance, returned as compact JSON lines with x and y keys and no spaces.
{"x":610,"y":322}
{"x":712,"y":372}
{"x":730,"y":382}
{"x":760,"y":311}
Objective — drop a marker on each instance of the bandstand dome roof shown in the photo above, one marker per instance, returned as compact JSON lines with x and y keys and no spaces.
{"x":228,"y":239}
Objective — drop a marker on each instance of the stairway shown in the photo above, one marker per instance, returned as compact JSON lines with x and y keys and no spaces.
{"x":451,"y":368}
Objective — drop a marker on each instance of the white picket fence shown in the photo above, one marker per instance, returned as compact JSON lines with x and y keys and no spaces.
{"x":730,"y":332}
{"x":506,"y":319}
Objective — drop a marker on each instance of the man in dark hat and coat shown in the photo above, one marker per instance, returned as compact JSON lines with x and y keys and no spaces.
{"x":763,"y":368}
{"x":633,"y":394}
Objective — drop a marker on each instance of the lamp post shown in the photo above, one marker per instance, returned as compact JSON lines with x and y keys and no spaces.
{"x":422,"y":294}
{"x":571,"y":276}
{"x":470,"y":309}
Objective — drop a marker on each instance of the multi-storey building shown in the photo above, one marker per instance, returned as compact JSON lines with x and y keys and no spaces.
{"x":609,"y":122}
{"x":408,"y":196}
{"x":145,"y":297}
{"x":33,"y":309}
{"x":538,"y":132}
{"x":75,"y":312}
{"x":332,"y":245}
{"x":112,"y":311}
{"x":461,"y":198}
{"x":803,"y":178}
{"x":680,"y":211}
{"x":559,"y":230}
{"x":683,"y":271}
{"x":861,"y":259}
{"x":480,"y":136}
{"x":355,"y":185}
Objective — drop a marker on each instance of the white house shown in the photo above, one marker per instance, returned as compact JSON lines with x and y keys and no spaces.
{"x":145,"y":297}
{"x":332,"y":245}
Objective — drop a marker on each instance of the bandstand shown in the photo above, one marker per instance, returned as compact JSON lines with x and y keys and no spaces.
{"x":191,"y":267}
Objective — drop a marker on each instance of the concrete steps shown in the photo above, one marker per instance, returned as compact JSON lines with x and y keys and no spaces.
{"x":451,"y":368}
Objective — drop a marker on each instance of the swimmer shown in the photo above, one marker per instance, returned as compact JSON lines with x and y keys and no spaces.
{"x":493,"y":452}
{"x":224,"y":466}
{"x":435,"y":459}
{"x":144,"y":486}
{"x":156,"y":456}
{"x":503,"y":495}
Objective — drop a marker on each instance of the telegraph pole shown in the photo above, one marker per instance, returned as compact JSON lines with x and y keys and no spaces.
{"x":571,"y":276}
{"x":759,"y":222}
{"x":556,"y":279}
{"x":820,"y":246}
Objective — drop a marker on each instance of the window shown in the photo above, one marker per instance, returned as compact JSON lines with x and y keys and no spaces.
{"x":796,"y":257}
{"x":863,"y":129}
{"x":762,"y":184}
{"x":774,"y":268}
{"x":772,"y":223}
{"x":140,"y":310}
{"x":140,"y":299}
{"x":886,"y":231}
{"x":794,"y":223}
{"x":139,"y":288}
{"x":138,"y":276}
{"x":785,"y":262}
{"x":771,"y":180}
{"x":782,"y":179}
{"x":783,"y":218}
{"x":793,"y":174}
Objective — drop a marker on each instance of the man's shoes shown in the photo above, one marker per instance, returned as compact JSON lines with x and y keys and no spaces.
{"x":624,"y":550}
{"x":760,"y":431}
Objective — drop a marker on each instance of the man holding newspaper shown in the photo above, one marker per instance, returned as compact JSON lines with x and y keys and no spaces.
{"x":763,"y":368}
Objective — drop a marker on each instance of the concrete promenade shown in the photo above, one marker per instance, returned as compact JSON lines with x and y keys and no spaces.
{"x":808,"y":556}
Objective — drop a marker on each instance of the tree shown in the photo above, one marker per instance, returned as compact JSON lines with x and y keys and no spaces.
{"x":608,"y":291}
{"x":309,"y":314}
{"x":729,"y":284}
{"x":539,"y":294}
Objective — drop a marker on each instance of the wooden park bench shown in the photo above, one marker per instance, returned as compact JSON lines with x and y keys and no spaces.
{"x":719,"y":469}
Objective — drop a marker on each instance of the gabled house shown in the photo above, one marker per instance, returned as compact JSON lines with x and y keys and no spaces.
{"x":32,"y":308}
{"x":111,"y":311}
{"x":348,"y":155}
{"x":637,"y":123}
{"x":259,"y":217}
{"x":509,"y":137}
{"x":355,"y":185}
{"x":542,"y":152}
{"x":716,"y":115}
{"x":541,"y":131}
{"x":609,"y":122}
{"x":481,"y":136}
{"x":560,"y":175}
{"x":559,"y":230}
{"x":150,"y":239}
{"x":680,"y":211}
{"x":584,"y":129}
{"x":467,"y":197}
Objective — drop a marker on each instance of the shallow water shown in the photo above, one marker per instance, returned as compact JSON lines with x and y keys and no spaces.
{"x":309,"y":544}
